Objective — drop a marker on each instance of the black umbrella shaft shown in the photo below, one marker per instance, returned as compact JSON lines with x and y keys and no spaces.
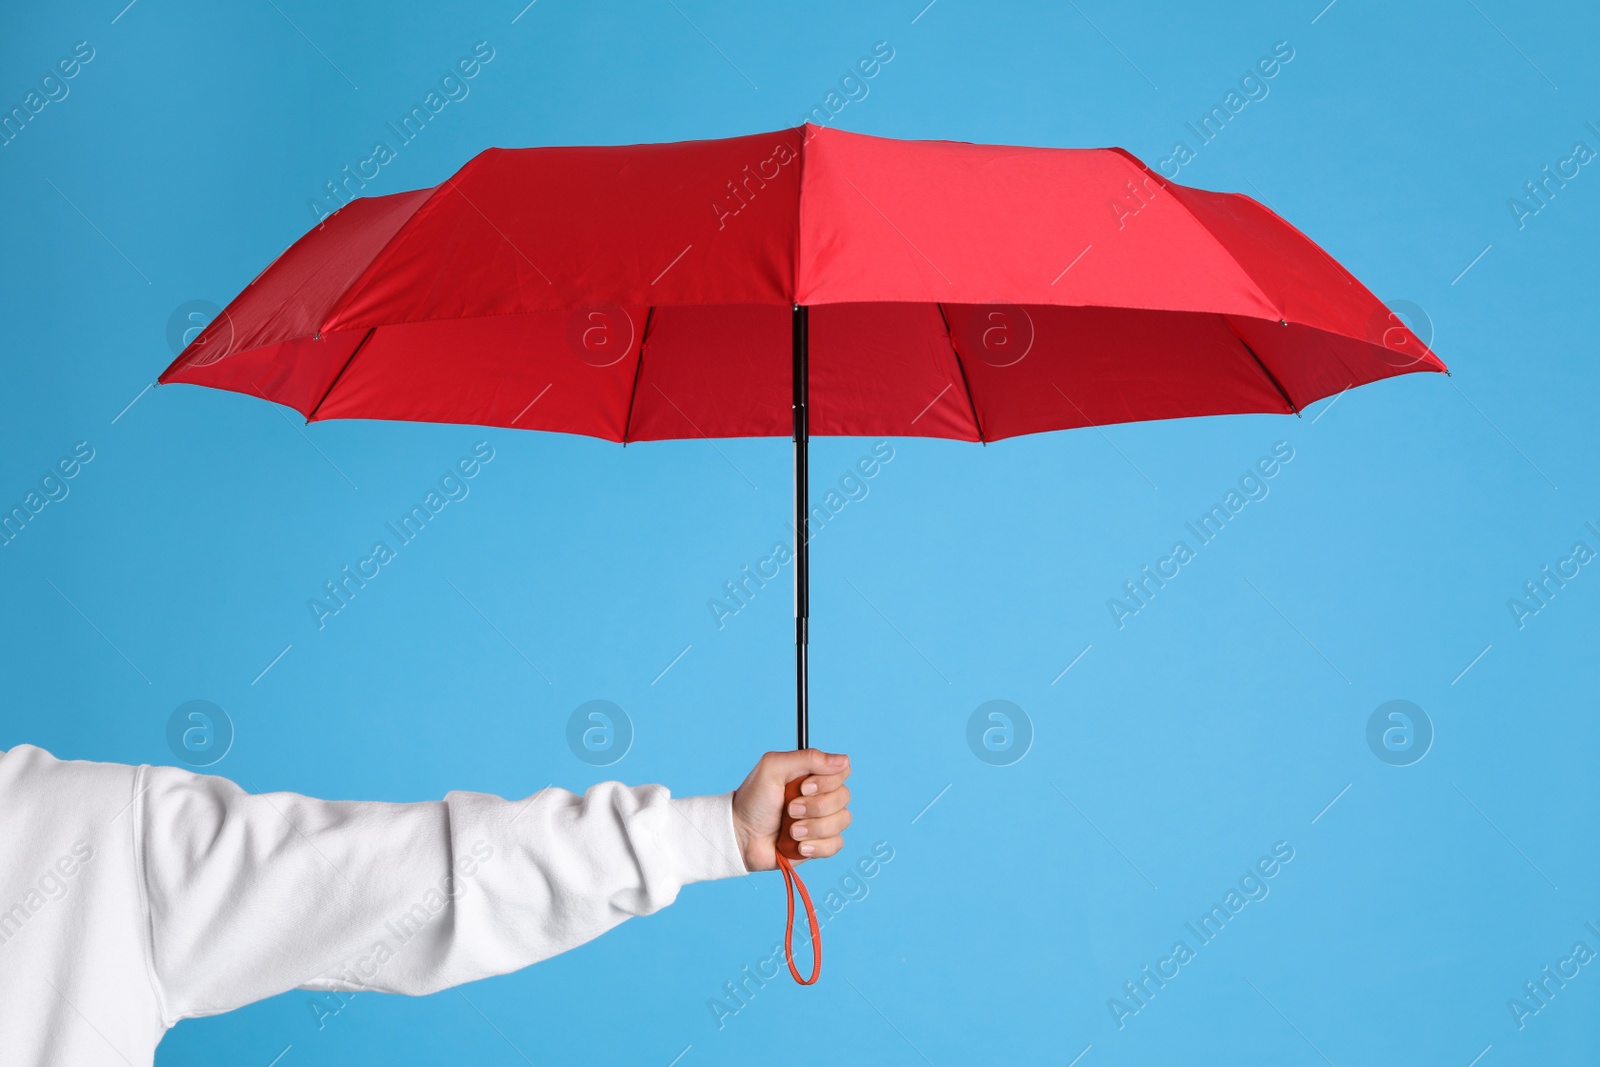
{"x":802,"y":535}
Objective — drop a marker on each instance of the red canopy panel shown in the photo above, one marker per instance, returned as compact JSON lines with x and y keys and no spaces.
{"x":925,"y":221}
{"x":535,"y":229}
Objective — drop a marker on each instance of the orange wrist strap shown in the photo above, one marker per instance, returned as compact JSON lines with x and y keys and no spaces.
{"x":792,"y":882}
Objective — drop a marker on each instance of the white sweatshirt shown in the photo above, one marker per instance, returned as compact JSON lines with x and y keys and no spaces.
{"x":132,"y":897}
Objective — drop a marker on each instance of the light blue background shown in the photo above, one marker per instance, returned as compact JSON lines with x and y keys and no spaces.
{"x":1223,"y":719}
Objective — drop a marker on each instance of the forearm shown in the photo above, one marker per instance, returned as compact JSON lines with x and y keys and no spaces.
{"x":250,"y":895}
{"x":527,"y":880}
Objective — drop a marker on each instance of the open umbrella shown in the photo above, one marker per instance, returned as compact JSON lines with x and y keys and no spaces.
{"x":806,"y":281}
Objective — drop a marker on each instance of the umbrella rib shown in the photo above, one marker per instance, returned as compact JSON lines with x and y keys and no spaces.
{"x":962,"y":367}
{"x":638,"y":369}
{"x":1273,"y":378}
{"x":337,"y":377}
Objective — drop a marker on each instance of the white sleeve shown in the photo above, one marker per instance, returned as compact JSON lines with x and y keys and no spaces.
{"x":249,"y":895}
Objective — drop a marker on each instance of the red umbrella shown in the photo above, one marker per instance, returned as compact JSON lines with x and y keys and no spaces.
{"x":807,"y":281}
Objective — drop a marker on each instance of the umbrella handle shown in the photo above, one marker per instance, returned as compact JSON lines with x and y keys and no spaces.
{"x":788,"y":853}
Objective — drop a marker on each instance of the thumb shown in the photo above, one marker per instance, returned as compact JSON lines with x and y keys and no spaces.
{"x":782,"y":768}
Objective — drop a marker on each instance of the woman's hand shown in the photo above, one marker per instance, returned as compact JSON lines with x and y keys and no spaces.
{"x":820,"y":813}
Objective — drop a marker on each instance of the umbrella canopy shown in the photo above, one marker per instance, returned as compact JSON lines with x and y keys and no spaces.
{"x":955,"y":290}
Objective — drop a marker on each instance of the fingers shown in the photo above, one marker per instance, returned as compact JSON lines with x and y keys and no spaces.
{"x":823,"y":783}
{"x":820,"y":828}
{"x":820,"y":804}
{"x":785,"y":767}
{"x":821,"y":848}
